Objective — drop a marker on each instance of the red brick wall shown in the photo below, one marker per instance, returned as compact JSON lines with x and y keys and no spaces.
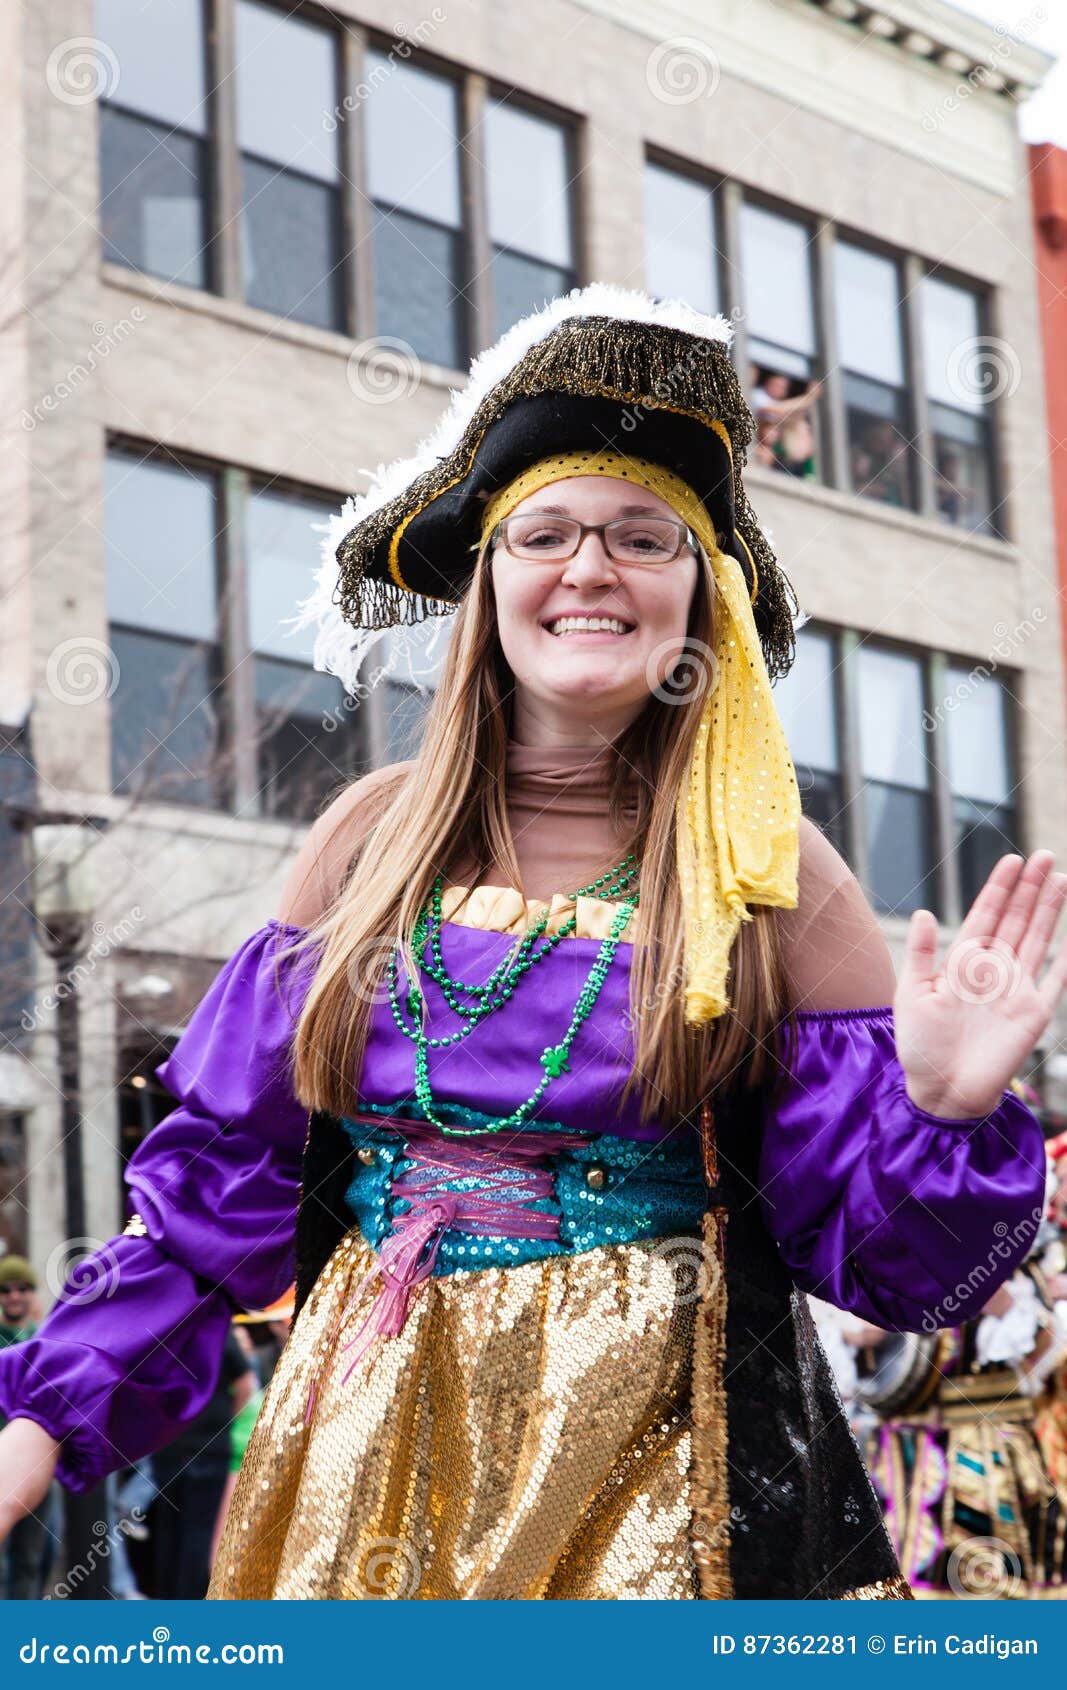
{"x":1048,"y":164}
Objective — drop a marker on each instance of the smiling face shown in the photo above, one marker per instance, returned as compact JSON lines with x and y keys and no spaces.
{"x":568,"y":682}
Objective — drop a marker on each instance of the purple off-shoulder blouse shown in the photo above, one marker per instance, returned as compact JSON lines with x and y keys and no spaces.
{"x":906,"y":1219}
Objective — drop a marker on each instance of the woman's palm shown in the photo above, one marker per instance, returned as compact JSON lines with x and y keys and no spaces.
{"x":963,"y":1031}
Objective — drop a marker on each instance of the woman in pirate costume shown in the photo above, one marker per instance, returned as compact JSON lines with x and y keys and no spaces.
{"x":553,"y":1185}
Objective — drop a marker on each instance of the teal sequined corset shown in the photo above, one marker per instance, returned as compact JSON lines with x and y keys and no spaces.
{"x":544,"y":1199}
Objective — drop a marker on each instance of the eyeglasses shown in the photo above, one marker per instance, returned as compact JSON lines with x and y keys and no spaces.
{"x":535,"y":537}
{"x":6,"y":1290}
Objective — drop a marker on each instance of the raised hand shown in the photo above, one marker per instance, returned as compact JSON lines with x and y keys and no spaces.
{"x":964,"y":1031}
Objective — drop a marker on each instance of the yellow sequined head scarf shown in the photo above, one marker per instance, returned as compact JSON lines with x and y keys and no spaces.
{"x":738,"y":810}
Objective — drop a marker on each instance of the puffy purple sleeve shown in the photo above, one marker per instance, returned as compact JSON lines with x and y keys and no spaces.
{"x":907,"y":1219}
{"x":131,"y":1350}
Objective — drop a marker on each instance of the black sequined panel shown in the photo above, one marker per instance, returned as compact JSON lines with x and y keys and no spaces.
{"x":806,"y":1521}
{"x":322,"y":1217}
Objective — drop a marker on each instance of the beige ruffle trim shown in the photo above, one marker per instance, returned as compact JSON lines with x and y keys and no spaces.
{"x":503,"y":909}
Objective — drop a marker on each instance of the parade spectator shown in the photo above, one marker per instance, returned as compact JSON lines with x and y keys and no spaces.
{"x":191,"y":1475}
{"x":954,"y":498}
{"x":879,"y":464}
{"x":22,"y":1557}
{"x":240,"y":1432}
{"x":785,"y":437}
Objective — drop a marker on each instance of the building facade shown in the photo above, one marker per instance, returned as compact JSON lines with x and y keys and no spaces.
{"x":249,"y":250}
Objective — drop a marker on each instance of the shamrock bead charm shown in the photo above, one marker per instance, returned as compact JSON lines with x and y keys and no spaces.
{"x":554,"y":1060}
{"x":496,"y":991}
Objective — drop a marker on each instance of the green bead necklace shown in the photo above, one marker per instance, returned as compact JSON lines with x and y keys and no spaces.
{"x":499,"y":987}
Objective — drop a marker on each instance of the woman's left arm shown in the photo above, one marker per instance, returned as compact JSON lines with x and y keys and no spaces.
{"x":899,"y":1176}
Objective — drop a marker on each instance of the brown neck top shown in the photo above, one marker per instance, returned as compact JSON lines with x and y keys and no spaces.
{"x":558,"y":809}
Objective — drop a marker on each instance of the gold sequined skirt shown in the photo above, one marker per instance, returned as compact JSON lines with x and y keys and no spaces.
{"x":526,"y":1435}
{"x":533,"y":1432}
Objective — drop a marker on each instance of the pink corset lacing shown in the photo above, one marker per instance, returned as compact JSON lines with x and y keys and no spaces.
{"x":513,"y":1175}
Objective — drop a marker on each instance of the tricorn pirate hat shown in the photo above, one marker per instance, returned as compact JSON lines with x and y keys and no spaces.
{"x":599,"y":368}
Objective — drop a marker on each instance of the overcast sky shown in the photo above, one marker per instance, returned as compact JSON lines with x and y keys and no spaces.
{"x":1044,"y":24}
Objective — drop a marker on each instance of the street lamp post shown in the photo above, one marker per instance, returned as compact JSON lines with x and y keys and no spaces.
{"x":62,"y":903}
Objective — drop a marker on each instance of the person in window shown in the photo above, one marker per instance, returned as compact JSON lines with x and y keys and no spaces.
{"x":572,"y":1057}
{"x":784,"y":432}
{"x":879,"y":464}
{"x":954,"y":498}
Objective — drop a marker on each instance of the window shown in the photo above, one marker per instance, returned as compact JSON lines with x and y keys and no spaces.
{"x":154,"y":139}
{"x":925,"y":804}
{"x":681,"y":257}
{"x":806,"y":699}
{"x":286,"y":84}
{"x":913,"y":378}
{"x":779,"y":309}
{"x":956,"y":369}
{"x":529,"y":211}
{"x":307,"y":743}
{"x":209,"y":709}
{"x":245,"y":155}
{"x":897,"y":802}
{"x":871,"y":354}
{"x":980,"y":773}
{"x":412,"y":135}
{"x":161,"y":535}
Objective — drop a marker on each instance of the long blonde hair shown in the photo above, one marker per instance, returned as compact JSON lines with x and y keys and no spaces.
{"x":450,"y":807}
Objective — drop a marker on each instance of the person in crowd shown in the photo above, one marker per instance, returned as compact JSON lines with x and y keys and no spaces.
{"x":23,"y":1556}
{"x":880,"y":464}
{"x":968,"y":1454}
{"x":191,"y":1473}
{"x":955,"y":500}
{"x":240,"y":1431}
{"x":785,"y":433}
